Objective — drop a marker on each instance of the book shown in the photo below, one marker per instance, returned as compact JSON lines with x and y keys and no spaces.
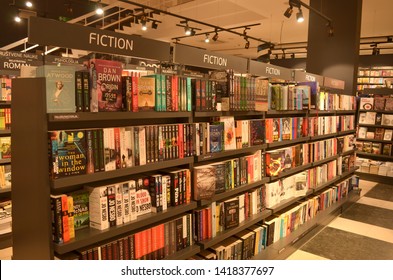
{"x":387,"y":149}
{"x":379,"y":132}
{"x":362,"y":132}
{"x":216,"y":132}
{"x":81,"y":208}
{"x":229,"y":132}
{"x":56,"y":216}
{"x":106,"y":93}
{"x":379,"y":103}
{"x":68,"y":153}
{"x":257,"y":132}
{"x":231,"y":213}
{"x":111,"y":194}
{"x":387,"y":119}
{"x":388,"y":134}
{"x":370,"y":118}
{"x":366,"y":103}
{"x":389,"y":104}
{"x":204,"y":182}
{"x":146,"y":93}
{"x":60,"y":88}
{"x":142,"y":197}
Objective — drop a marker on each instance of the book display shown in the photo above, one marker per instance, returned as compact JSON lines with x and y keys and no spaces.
{"x":199,"y":162}
{"x":374,"y":134}
{"x":375,"y":77}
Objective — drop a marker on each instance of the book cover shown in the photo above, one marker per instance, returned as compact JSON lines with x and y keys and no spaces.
{"x":379,"y":103}
{"x":98,"y":207}
{"x":204,"y":182}
{"x":378,"y":119}
{"x":387,"y":149}
{"x":388,"y":134}
{"x":216,"y":137}
{"x":106,"y":93}
{"x":387,"y":119}
{"x":231,"y":213}
{"x":261,"y":94}
{"x":220,"y":176}
{"x":111,"y":194}
{"x":366,"y":103}
{"x":70,"y":205}
{"x":109,"y":149}
{"x":379,"y":131}
{"x":229,"y":133}
{"x":370,"y":118}
{"x":119,"y":204}
{"x":274,"y":162}
{"x":68,"y":153}
{"x":257,"y":132}
{"x":376,"y":148}
{"x":146,"y":93}
{"x":127,"y":92}
{"x":362,"y":132}
{"x":286,"y":125}
{"x":81,"y":208}
{"x":142,"y":197}
{"x":60,"y":88}
{"x":57,"y":222}
{"x":389,"y":104}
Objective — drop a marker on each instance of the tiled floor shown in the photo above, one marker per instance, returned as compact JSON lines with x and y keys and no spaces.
{"x":363,"y":232}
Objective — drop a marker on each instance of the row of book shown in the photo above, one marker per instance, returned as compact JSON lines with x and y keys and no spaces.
{"x":5,"y":118}
{"x":378,"y":133}
{"x":218,"y":177}
{"x":375,"y":72}
{"x":5,"y":176}
{"x":255,"y":239}
{"x":5,"y":88}
{"x":383,"y":168}
{"x":5,"y":147}
{"x":76,"y":152}
{"x":221,"y":216}
{"x":375,"y":148}
{"x":5,"y":216}
{"x":377,"y":103}
{"x":154,"y":243}
{"x":375,"y":118}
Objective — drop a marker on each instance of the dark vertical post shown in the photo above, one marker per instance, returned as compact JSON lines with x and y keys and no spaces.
{"x":338,"y":56}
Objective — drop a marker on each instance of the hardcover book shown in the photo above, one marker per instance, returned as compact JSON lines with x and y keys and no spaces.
{"x":216,"y":137}
{"x":68,"y":153}
{"x":387,"y":119}
{"x":229,"y":133}
{"x":60,"y":88}
{"x":106,"y":92}
{"x":146,"y":93}
{"x":257,"y":132}
{"x":231,"y":213}
{"x":387,"y":149}
{"x":388,"y":134}
{"x":379,"y":103}
{"x":366,"y":103}
{"x":81,"y":209}
{"x":142,"y":197}
{"x":98,"y":207}
{"x":204,"y":182}
{"x":389,"y":104}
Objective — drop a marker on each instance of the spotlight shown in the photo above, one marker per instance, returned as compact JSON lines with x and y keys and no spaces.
{"x":144,"y":26}
{"x":187,"y":31}
{"x":293,"y":55}
{"x":247,"y":45}
{"x":215,"y":37}
{"x":154,"y":25}
{"x":299,"y":16}
{"x":17,"y":18}
{"x":330,"y":30}
{"x":99,"y":10}
{"x":207,"y":40}
{"x":29,"y":4}
{"x":289,"y":11}
{"x":376,"y":51}
{"x":193,"y":32}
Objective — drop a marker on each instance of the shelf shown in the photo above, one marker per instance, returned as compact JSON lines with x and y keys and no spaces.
{"x":5,"y":240}
{"x":284,"y":112}
{"x":5,"y":161}
{"x":345,"y":112}
{"x":288,"y":202}
{"x":233,"y":192}
{"x":291,"y":171}
{"x":185,"y":253}
{"x":374,"y":140}
{"x":227,"y":113}
{"x":223,"y":154}
{"x":347,"y":152}
{"x":5,"y":104}
{"x":376,"y":111}
{"x":5,"y":132}
{"x":322,"y":112}
{"x":382,"y":91}
{"x":322,"y":161}
{"x":221,"y":236}
{"x":374,"y":156}
{"x":5,"y":190}
{"x":59,"y":184}
{"x":328,"y":183}
{"x":325,"y":136}
{"x":286,"y":143}
{"x":374,"y":177}
{"x":90,"y":236}
{"x":376,"y":125}
{"x":275,"y":250}
{"x":346,"y":132}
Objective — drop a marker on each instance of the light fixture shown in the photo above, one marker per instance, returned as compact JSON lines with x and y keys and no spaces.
{"x":99,"y":10}
{"x":299,"y":16}
{"x":289,"y":11}
{"x":154,"y":24}
{"x":29,"y":4}
{"x":376,"y":50}
{"x":215,"y":37}
{"x":143,"y":24}
{"x":293,"y":55}
{"x":207,"y":40}
{"x":17,"y":18}
{"x":247,"y":44}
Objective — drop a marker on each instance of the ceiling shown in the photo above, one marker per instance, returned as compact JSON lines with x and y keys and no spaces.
{"x":272,"y":26}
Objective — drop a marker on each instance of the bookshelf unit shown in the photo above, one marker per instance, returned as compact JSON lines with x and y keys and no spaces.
{"x":370,"y":147}
{"x":374,"y":77}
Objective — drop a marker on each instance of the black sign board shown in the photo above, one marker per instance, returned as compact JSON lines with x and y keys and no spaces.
{"x":301,"y":76}
{"x":333,"y":83}
{"x":206,"y":59}
{"x":10,"y":60}
{"x":74,"y":36}
{"x":270,"y":71}
{"x":52,"y":59}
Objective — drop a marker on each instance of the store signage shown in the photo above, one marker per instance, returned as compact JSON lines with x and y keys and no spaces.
{"x":203,"y":58}
{"x":48,"y":32}
{"x":52,"y":59}
{"x":270,"y":71}
{"x":301,"y":76}
{"x":333,"y":83}
{"x":10,"y":60}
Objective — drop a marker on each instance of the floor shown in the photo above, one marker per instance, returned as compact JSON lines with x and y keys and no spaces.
{"x":363,"y":232}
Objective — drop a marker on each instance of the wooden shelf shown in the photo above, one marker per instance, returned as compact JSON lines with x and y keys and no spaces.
{"x":185,"y":253}
{"x":284,"y":112}
{"x":374,"y":156}
{"x":5,"y":190}
{"x":229,"y":153}
{"x":221,"y":236}
{"x":322,"y":161}
{"x":5,"y":132}
{"x":5,"y":240}
{"x":227,"y":113}
{"x":374,"y":177}
{"x":5,"y":104}
{"x":382,"y":91}
{"x":325,"y":136}
{"x":376,"y":111}
{"x":374,"y":140}
{"x":322,"y":112}
{"x":5,"y":161}
{"x":89,"y":236}
{"x":345,"y":112}
{"x":72,"y":181}
{"x":285,"y":143}
{"x":346,"y":132}
{"x":288,"y":202}
{"x":291,"y":171}
{"x":376,"y":125}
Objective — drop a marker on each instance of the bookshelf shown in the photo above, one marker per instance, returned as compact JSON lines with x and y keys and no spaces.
{"x":374,"y":155}
{"x":374,"y":77}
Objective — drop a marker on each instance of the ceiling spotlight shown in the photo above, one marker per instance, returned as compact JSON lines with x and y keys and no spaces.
{"x":17,"y":18}
{"x":29,"y":4}
{"x":330,"y":29}
{"x":99,"y":10}
{"x":207,"y":40}
{"x":293,"y":55}
{"x":247,"y":45}
{"x":154,"y":25}
{"x":215,"y":37}
{"x":144,"y":26}
{"x":187,"y":30}
{"x":289,"y":11}
{"x":299,"y":16}
{"x":376,"y":50}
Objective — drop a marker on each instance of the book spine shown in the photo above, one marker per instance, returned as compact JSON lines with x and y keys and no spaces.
{"x":57,"y":227}
{"x":135,"y":94}
{"x":79,"y":91}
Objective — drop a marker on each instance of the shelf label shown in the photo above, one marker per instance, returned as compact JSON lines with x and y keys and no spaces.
{"x":333,"y":83}
{"x":66,"y":35}
{"x":10,"y":60}
{"x":66,"y":117}
{"x":301,"y":76}
{"x":203,"y":58}
{"x":270,"y":71}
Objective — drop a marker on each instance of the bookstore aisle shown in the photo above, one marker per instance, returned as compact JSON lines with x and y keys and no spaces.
{"x":364,"y":231}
